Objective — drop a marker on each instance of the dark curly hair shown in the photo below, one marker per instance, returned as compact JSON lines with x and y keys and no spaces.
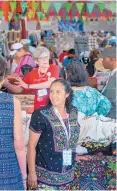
{"x":68,"y":89}
{"x":76,"y":74}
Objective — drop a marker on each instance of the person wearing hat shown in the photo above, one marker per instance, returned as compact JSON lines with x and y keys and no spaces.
{"x":21,"y":53}
{"x":109,"y":62}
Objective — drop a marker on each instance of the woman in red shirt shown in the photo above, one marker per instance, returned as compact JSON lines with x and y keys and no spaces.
{"x":39,"y":79}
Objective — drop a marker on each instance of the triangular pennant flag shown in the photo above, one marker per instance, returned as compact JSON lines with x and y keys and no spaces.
{"x":43,"y":17}
{"x":93,"y":14}
{"x":45,"y":6}
{"x":90,"y":7}
{"x":79,"y":6}
{"x":13,"y":5}
{"x":39,"y":15}
{"x":86,"y":14}
{"x":101,"y":6}
{"x":113,"y":7}
{"x":30,"y":14}
{"x":115,"y":18}
{"x":60,"y":13}
{"x":59,"y":18}
{"x":68,"y":6}
{"x":84,"y":19}
{"x":1,"y":5}
{"x":1,"y":14}
{"x":24,"y":6}
{"x":77,"y":14}
{"x":102,"y":14}
{"x":57,"y":6}
{"x":67,"y":18}
{"x":35,"y":5}
{"x":10,"y":15}
{"x":110,"y":14}
{"x":51,"y":13}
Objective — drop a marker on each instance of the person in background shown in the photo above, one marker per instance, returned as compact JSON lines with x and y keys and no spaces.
{"x":12,"y":150}
{"x":70,"y":57}
{"x":39,"y":79}
{"x":14,"y":25}
{"x":109,"y":90}
{"x":54,"y":132}
{"x":24,"y":56}
{"x":86,"y":99}
{"x":93,"y":57}
{"x":63,"y":54}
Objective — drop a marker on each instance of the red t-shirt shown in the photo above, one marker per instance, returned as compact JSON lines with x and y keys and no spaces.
{"x":62,"y":55}
{"x":34,"y":78}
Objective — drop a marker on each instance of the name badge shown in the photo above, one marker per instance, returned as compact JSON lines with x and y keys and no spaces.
{"x":67,"y":157}
{"x":42,"y":92}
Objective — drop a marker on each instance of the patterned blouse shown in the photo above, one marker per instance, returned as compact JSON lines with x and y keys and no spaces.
{"x":89,"y":101}
{"x":49,"y":167}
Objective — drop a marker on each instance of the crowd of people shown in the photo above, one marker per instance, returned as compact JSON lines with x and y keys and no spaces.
{"x":61,"y":87}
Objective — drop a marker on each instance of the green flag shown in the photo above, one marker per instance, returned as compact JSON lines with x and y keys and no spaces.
{"x":79,"y":6}
{"x":23,"y":6}
{"x":67,"y":18}
{"x":1,"y":14}
{"x":13,"y":5}
{"x":39,"y":14}
{"x":113,"y":7}
{"x":45,"y":6}
{"x":90,"y":7}
{"x":68,"y":6}
{"x":101,"y":6}
{"x":57,"y":6}
{"x":35,"y":5}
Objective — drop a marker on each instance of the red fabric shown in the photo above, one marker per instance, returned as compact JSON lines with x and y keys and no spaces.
{"x":62,"y":55}
{"x":33,"y":78}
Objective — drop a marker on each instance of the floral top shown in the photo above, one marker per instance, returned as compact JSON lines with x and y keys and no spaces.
{"x":49,"y":149}
{"x":89,"y":101}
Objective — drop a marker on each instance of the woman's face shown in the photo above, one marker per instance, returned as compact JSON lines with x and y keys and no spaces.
{"x":43,"y":62}
{"x":58,"y":95}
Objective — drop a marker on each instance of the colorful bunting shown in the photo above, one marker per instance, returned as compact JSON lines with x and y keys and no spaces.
{"x":10,"y":15}
{"x":83,"y":18}
{"x":68,"y":6}
{"x":30,"y":14}
{"x":79,"y":7}
{"x":24,"y":6}
{"x":90,"y":7}
{"x":59,"y":18}
{"x":45,"y":6}
{"x":101,"y":6}
{"x":1,"y":14}
{"x":86,"y":14}
{"x":113,"y":7}
{"x":57,"y":6}
{"x":67,"y":18}
{"x":77,"y":14}
{"x":1,"y":3}
{"x":35,"y":5}
{"x":13,"y":5}
{"x":93,"y":14}
{"x":39,"y":15}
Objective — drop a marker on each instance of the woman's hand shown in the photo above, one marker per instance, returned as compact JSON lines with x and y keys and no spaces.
{"x":79,"y":158}
{"x":32,"y":180}
{"x":21,"y":83}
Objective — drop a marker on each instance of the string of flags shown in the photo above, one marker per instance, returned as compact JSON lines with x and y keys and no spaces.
{"x":41,"y":10}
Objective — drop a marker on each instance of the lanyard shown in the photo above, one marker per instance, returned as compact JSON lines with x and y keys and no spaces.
{"x":68,"y":134}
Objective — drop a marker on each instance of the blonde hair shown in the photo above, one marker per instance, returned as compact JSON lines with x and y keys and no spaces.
{"x":41,"y":52}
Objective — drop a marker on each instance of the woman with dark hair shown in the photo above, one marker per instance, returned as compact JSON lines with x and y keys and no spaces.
{"x":86,"y":99}
{"x":54,"y":132}
{"x":12,"y":149}
{"x":93,"y":57}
